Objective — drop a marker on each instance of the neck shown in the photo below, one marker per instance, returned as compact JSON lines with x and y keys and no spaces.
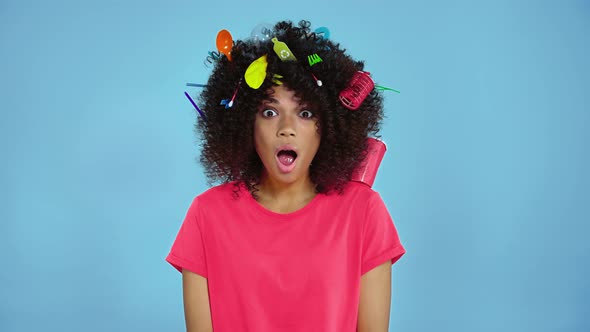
{"x":287,"y":193}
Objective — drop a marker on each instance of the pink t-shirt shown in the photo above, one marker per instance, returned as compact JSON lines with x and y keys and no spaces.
{"x":298,"y":271}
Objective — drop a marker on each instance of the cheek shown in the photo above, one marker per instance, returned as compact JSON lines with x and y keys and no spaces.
{"x":317,"y":142}
{"x":260,"y":138}
{"x":313,"y":141}
{"x":314,"y":133}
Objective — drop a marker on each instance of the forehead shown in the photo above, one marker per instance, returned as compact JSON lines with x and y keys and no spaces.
{"x":281,"y":95}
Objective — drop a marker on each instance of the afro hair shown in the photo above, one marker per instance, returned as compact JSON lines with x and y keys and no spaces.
{"x":226,"y":134}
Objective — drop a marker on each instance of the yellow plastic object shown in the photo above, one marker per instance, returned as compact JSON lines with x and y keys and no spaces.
{"x":282,"y":50}
{"x":256,"y":72}
{"x":276,"y":79}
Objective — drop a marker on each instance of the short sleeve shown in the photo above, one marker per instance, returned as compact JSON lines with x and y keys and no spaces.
{"x":380,"y":239}
{"x":188,"y":250}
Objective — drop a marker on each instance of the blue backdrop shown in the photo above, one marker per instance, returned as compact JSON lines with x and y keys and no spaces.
{"x":485,"y":175}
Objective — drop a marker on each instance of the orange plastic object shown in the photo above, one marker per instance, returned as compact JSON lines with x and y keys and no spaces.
{"x":224,"y":43}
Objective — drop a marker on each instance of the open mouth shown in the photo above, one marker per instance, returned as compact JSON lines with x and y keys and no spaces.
{"x":287,"y":157}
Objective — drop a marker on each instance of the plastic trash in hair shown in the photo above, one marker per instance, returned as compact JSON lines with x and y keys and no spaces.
{"x":261,"y":33}
{"x":282,"y":50}
{"x":224,"y":43}
{"x":357,"y":90}
{"x":367,"y":169}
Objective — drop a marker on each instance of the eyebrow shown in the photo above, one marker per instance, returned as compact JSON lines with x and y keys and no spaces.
{"x":271,"y":100}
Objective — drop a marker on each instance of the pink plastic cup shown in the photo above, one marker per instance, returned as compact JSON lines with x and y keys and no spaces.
{"x":367,"y":169}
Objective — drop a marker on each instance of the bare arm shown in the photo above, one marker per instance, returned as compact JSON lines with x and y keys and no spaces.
{"x":197,"y":312}
{"x":375,"y":299}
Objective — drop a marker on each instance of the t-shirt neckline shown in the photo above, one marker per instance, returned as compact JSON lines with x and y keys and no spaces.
{"x":283,"y":216}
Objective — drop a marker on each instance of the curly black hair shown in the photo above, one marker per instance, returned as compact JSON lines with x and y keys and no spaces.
{"x":226,"y":134}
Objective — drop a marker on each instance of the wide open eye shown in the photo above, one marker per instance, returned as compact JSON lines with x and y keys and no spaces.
{"x":268,"y":113}
{"x":306,"y":114}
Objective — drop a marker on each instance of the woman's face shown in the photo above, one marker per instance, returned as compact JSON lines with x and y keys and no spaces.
{"x":286,"y":137}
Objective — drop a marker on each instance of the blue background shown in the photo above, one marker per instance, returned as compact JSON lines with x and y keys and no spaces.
{"x":486,"y":174}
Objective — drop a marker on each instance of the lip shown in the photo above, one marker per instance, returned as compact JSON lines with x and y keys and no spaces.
{"x":282,"y":168}
{"x":286,"y":147}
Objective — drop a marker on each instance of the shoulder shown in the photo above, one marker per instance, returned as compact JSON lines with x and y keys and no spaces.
{"x":357,"y":201}
{"x":224,"y":197}
{"x":362,"y":194}
{"x":217,"y":190}
{"x":357,"y":191}
{"x":220,"y":194}
{"x":354,"y":194}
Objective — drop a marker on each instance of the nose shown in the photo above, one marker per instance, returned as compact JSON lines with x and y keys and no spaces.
{"x":286,"y":127}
